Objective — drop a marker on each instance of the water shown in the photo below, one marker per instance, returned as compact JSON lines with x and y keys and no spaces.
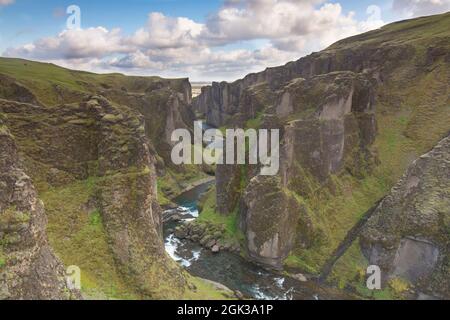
{"x":231,"y":269}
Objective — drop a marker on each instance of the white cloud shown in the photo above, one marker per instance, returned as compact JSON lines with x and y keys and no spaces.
{"x":166,"y":32}
{"x":289,"y":24}
{"x":415,"y":8}
{"x":179,"y":46}
{"x":73,"y":44}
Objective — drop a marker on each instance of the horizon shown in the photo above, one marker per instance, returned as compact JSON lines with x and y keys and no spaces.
{"x":205,"y":41}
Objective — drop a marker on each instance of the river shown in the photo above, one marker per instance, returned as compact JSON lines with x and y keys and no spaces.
{"x":231,"y":269}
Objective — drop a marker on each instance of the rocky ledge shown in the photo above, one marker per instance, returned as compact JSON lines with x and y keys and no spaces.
{"x":209,"y":236}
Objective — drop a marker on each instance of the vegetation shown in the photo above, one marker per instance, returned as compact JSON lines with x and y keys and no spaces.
{"x":48,"y":81}
{"x":200,"y":289}
{"x":228,"y":223}
{"x":2,"y":257}
{"x":77,"y":235}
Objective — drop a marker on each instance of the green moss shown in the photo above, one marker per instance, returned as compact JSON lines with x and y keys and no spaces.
{"x":350,"y":269}
{"x":399,"y":287}
{"x":49,"y":83}
{"x":256,"y":122}
{"x":78,"y":238}
{"x":95,"y":219}
{"x":204,"y":290}
{"x":2,"y":257}
{"x":229,"y":223}
{"x":301,"y":263}
{"x":12,"y":216}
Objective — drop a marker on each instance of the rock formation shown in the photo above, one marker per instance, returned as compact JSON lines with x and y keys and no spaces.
{"x":28,"y":266}
{"x":328,"y":107}
{"x":108,"y":135}
{"x":408,"y":234}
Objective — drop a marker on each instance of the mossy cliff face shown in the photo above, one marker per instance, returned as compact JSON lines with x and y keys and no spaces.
{"x":352,"y":118}
{"x":94,"y":146}
{"x":28,"y":266}
{"x":408,"y":235}
{"x":107,"y":144}
{"x":265,"y":200}
{"x":327,"y":124}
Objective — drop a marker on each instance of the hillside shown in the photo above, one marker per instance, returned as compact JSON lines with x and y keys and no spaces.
{"x":94,"y":147}
{"x":86,"y":172}
{"x":353,"y":118}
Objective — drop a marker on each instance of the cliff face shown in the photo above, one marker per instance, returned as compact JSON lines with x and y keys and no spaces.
{"x":378,"y":53}
{"x":264,"y":200}
{"x":408,"y":235}
{"x":351,"y":117}
{"x":98,"y":139}
{"x":28,"y":266}
{"x":94,"y":158}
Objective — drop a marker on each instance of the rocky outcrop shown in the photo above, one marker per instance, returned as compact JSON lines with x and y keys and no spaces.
{"x":28,"y":266}
{"x":164,"y":107}
{"x":327,"y":123}
{"x":97,"y":138}
{"x":334,"y":122}
{"x":325,"y":106}
{"x":264,"y":200}
{"x":408,"y":235}
{"x":10,"y":89}
{"x":377,"y":53}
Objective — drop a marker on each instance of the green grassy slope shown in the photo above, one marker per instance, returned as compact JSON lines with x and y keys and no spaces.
{"x":413,"y":114}
{"x":52,"y":84}
{"x":75,"y":228}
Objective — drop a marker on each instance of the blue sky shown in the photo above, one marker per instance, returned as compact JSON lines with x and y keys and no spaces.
{"x":202,"y":39}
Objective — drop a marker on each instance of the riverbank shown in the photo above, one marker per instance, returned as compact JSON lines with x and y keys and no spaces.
{"x":194,"y":185}
{"x":245,"y":279}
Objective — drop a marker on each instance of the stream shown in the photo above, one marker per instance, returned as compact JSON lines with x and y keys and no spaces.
{"x":231,"y":269}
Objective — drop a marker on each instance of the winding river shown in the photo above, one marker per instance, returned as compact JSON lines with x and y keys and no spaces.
{"x":231,"y":269}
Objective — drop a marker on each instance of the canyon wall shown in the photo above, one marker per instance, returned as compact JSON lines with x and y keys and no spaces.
{"x":407,"y":236}
{"x":94,"y":157}
{"x":352,"y":118}
{"x":28,"y":266}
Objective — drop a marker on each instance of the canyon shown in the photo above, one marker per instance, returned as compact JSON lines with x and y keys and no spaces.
{"x":353,"y":118}
{"x":87,"y":177}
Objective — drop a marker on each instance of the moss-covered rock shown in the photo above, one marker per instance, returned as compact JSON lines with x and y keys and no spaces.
{"x":352,"y":119}
{"x":28,"y":266}
{"x":407,"y":235}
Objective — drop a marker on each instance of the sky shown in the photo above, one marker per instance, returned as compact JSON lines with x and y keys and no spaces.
{"x":205,"y":40}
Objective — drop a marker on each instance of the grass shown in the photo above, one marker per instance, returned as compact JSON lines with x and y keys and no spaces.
{"x":229,"y":222}
{"x":46,"y":81}
{"x":2,"y":257}
{"x":204,"y":290}
{"x":406,"y":31}
{"x":172,"y":183}
{"x":77,"y":235}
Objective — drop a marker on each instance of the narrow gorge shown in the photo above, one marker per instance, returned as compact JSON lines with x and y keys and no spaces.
{"x":87,"y":178}
{"x":353,"y":118}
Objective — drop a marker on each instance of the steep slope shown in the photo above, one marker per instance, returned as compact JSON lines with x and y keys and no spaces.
{"x":408,"y":235}
{"x":28,"y":267}
{"x":106,"y":143}
{"x":94,"y":157}
{"x":352,"y":118}
{"x":163,"y":102}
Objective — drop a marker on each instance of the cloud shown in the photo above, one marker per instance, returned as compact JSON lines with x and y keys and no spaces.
{"x":415,"y":8}
{"x":6,"y":2}
{"x":166,"y":32}
{"x":72,"y":44}
{"x":289,"y":24}
{"x":177,"y":46}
